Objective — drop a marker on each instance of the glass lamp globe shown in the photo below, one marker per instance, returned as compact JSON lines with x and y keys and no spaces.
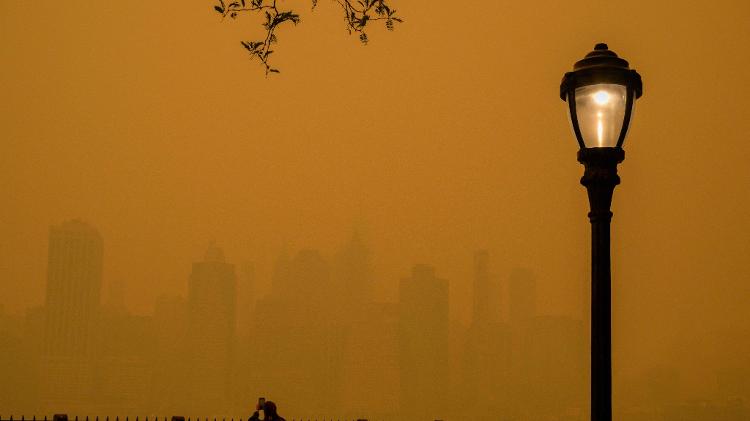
{"x":601,"y":93}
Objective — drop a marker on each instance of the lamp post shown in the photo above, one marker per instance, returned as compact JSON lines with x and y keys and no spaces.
{"x":601,"y":92}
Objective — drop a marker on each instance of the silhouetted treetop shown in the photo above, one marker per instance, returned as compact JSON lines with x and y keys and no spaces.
{"x":357,"y":15}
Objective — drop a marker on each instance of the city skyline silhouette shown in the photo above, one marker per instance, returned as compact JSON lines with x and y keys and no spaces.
{"x":317,"y":341}
{"x":153,"y":125}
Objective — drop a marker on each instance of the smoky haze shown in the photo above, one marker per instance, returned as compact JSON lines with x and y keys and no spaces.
{"x":387,"y":231}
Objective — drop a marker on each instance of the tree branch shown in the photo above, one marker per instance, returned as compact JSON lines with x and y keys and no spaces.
{"x":356,"y":18}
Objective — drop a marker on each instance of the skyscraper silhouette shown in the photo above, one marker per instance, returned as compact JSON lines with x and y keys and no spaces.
{"x":521,"y":314}
{"x":74,"y":280}
{"x":553,"y":378}
{"x":170,"y":383}
{"x":352,"y":274}
{"x":423,"y":344}
{"x":300,"y":343}
{"x":487,"y":358}
{"x":211,"y":332}
{"x":370,"y":384}
{"x":522,"y":296}
{"x":487,"y":292}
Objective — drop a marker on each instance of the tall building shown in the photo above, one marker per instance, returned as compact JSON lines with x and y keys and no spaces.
{"x":304,"y":280}
{"x":300,"y":341}
{"x":521,"y":314}
{"x":370,"y":384}
{"x":245,"y":296}
{"x":210,"y":333}
{"x":487,"y":351}
{"x":13,"y":357}
{"x":353,"y":275}
{"x":554,"y":379}
{"x":123,"y":366}
{"x":423,"y":344}
{"x":74,"y":280}
{"x":169,"y":385}
{"x":522,"y":296}
{"x":487,"y":293}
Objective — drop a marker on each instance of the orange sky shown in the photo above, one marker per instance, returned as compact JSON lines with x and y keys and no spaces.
{"x":147,"y":120}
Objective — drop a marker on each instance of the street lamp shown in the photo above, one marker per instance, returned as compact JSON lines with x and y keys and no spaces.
{"x":601,"y":92}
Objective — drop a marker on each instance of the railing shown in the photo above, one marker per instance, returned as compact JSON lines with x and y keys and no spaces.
{"x":64,"y":417}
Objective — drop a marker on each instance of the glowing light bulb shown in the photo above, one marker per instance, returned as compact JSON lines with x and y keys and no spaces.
{"x":600,"y":114}
{"x":601,"y":97}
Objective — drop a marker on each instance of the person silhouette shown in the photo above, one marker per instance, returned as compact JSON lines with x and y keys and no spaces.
{"x":269,"y":413}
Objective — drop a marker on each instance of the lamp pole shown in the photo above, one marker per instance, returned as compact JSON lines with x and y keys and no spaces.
{"x":601,"y":92}
{"x":600,"y":178}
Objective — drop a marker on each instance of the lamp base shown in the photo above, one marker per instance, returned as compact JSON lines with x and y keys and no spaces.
{"x":600,"y":178}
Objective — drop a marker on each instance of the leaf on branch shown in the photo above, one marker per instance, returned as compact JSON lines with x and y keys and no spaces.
{"x":283,"y":17}
{"x":356,"y":15}
{"x":251,"y":46}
